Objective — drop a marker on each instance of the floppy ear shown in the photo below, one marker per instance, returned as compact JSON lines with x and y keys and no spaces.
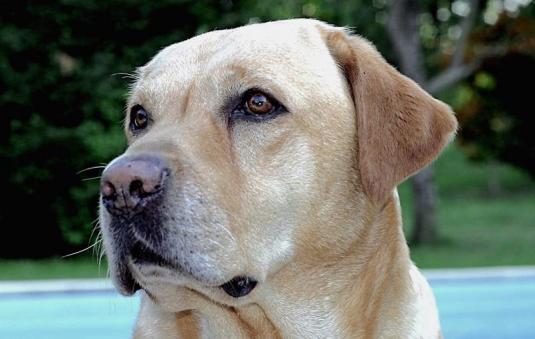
{"x":400,"y":127}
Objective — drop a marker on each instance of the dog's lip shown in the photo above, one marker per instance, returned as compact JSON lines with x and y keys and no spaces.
{"x":142,"y":255}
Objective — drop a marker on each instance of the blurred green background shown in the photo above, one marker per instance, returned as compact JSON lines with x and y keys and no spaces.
{"x":64,"y":74}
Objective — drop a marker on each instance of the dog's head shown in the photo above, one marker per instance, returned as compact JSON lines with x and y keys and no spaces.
{"x":252,"y":146}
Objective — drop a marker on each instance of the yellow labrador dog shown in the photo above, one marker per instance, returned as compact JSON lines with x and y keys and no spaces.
{"x":257,"y":196}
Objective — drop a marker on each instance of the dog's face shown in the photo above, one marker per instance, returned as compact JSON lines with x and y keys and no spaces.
{"x":250,"y":147}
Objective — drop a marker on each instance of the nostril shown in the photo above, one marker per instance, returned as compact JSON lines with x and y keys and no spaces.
{"x":132,"y":183}
{"x":136,"y":188}
{"x":107,"y":190}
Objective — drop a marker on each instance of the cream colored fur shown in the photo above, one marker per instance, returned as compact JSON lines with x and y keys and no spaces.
{"x":306,"y":202}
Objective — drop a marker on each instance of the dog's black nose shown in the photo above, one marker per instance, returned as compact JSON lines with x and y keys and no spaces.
{"x":131,"y":180}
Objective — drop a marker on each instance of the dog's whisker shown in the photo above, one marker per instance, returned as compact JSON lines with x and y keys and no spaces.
{"x":100,"y":253}
{"x":227,"y":231}
{"x":129,"y":76}
{"x":96,"y":227}
{"x":91,"y":168}
{"x":92,"y":178}
{"x":212,"y":241}
{"x":98,"y":248}
{"x":80,"y":251}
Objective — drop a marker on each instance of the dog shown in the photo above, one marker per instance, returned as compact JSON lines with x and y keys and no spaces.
{"x":257,"y":195}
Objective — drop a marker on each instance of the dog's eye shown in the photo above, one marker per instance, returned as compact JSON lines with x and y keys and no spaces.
{"x":256,"y":105}
{"x":139,"y":118}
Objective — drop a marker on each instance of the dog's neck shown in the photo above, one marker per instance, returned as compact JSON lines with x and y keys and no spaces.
{"x":348,"y":295}
{"x":347,"y":289}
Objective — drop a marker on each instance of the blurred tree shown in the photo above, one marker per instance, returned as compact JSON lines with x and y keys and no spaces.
{"x":432,"y":37}
{"x":495,"y":109}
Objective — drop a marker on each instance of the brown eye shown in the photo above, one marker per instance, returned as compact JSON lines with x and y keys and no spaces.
{"x":139,"y":118}
{"x":258,"y":103}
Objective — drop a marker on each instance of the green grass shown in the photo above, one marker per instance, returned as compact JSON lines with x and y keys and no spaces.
{"x":56,"y":268}
{"x":476,"y":228}
{"x":477,"y":232}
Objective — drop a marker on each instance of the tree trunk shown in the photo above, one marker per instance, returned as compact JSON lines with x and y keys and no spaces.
{"x":403,"y":30}
{"x":424,"y":197}
{"x":494,"y":187}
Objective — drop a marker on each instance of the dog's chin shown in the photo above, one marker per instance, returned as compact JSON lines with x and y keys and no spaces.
{"x":175,"y":291}
{"x":147,"y":270}
{"x":134,"y":274}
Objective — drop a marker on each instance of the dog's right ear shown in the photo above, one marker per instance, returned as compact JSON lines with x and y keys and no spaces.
{"x":400,"y":127}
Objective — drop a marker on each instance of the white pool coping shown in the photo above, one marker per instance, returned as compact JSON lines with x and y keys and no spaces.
{"x":105,"y":285}
{"x":55,"y":285}
{"x":480,"y":272}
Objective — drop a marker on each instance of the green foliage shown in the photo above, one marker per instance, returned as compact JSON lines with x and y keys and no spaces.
{"x":494,"y":104}
{"x":497,"y":119}
{"x":495,"y":108}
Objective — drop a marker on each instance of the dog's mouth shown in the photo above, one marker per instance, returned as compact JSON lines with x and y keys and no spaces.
{"x":237,"y":287}
{"x":142,"y":255}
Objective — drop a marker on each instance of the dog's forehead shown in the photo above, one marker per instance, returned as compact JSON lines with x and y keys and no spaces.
{"x":267,"y":45}
{"x":284,"y":58}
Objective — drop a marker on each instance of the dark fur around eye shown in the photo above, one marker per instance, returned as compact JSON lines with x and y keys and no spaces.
{"x":239,"y":109}
{"x":139,"y":118}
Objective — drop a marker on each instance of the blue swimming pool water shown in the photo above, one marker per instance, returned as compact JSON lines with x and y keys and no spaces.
{"x":486,"y":308}
{"x":103,"y":315}
{"x":469,"y":308}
